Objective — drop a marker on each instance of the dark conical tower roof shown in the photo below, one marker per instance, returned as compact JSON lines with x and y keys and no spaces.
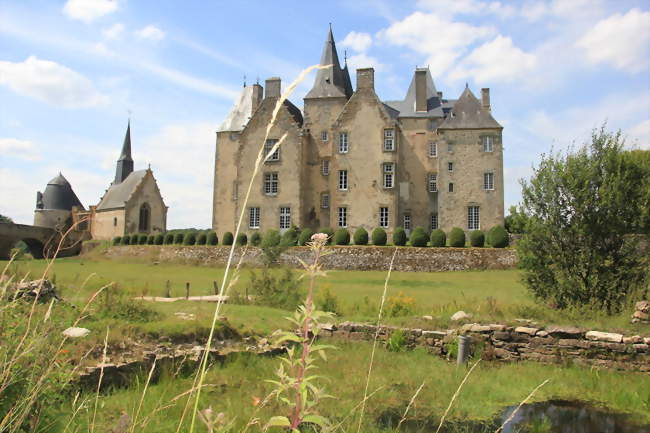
{"x":58,"y":195}
{"x":333,"y":81}
{"x":125,"y":162}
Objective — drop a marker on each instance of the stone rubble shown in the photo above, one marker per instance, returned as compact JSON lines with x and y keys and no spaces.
{"x":642,"y":312}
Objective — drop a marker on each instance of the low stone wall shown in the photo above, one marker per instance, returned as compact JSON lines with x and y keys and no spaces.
{"x":506,"y":343}
{"x":343,"y":258}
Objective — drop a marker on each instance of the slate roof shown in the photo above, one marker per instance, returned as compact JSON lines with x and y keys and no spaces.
{"x":58,"y":195}
{"x":118,"y":194}
{"x":333,"y":81}
{"x":468,"y":113}
{"x":240,"y":112}
{"x":294,"y":111}
{"x":406,"y":107}
{"x":125,"y":155}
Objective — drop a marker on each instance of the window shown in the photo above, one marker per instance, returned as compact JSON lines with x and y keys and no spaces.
{"x":450,"y":147}
{"x":431,"y":125}
{"x":114,"y":221}
{"x":407,"y":221}
{"x":270,"y":183}
{"x":325,"y":200}
{"x":343,"y":142}
{"x":433,"y":182}
{"x":235,"y":188}
{"x":488,"y":181}
{"x":451,"y":187}
{"x":323,"y":136}
{"x":450,"y":166}
{"x":389,"y":140}
{"x":145,"y":217}
{"x":267,"y":148}
{"x":343,"y":217}
{"x":325,"y":167}
{"x":343,"y":180}
{"x":254,"y":218}
{"x":473,"y":218}
{"x":389,"y":174}
{"x":383,"y":217}
{"x":488,"y":142}
{"x":285,"y":217}
{"x":433,"y":149}
{"x":434,"y":221}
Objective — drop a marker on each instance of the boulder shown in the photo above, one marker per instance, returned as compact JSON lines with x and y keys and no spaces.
{"x":74,"y":332}
{"x":427,"y":317}
{"x":526,"y":330}
{"x":44,"y":289}
{"x":460,"y":315}
{"x":604,"y":336}
{"x":643,"y":306}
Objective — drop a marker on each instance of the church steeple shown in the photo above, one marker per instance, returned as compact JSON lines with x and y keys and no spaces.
{"x":332,"y":81}
{"x":125,"y":162}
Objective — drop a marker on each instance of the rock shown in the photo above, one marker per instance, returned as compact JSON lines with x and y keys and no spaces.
{"x":542,"y":334}
{"x":460,"y":315}
{"x":643,"y":306}
{"x":76,"y":332}
{"x":565,"y":332}
{"x":604,"y":336}
{"x":45,"y":290}
{"x":328,"y":327}
{"x":480,"y":328}
{"x":635,"y":339}
{"x":641,"y":315}
{"x":427,"y":317}
{"x":497,"y":327}
{"x":526,"y":330}
{"x":436,"y":335}
{"x":646,"y":340}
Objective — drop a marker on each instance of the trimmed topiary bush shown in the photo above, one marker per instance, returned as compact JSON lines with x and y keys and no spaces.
{"x":159,"y":239}
{"x":201,"y":239}
{"x":212,"y":238}
{"x":117,"y":240}
{"x":228,"y":238}
{"x":169,"y":239}
{"x":438,"y":238}
{"x":457,"y":237}
{"x":419,"y":237}
{"x":242,"y":239}
{"x":151,"y":239}
{"x":379,"y":236}
{"x":141,"y":239}
{"x":329,"y":232}
{"x":498,"y":237}
{"x":189,"y":239}
{"x":305,"y":236}
{"x":126,"y":240}
{"x":361,"y":236}
{"x":271,"y":238}
{"x":341,"y":237}
{"x":256,"y":239}
{"x":290,"y":237}
{"x":178,"y":238}
{"x":477,"y":238}
{"x":399,"y":237}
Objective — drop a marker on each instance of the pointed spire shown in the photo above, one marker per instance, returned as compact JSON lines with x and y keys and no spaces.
{"x":125,"y":162}
{"x":330,"y":82}
{"x":126,"y":146}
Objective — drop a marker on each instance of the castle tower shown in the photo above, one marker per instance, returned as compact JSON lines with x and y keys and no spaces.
{"x":125,"y":162}
{"x":54,"y":205}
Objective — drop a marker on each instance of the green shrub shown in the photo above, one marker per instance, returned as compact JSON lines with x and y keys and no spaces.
{"x":201,"y":239}
{"x":399,"y":237}
{"x":169,"y":239}
{"x":498,"y":237}
{"x":271,"y":238}
{"x":151,"y":240}
{"x":361,"y":236}
{"x":212,"y":238}
{"x":305,"y":237}
{"x":329,"y":302}
{"x":274,"y":289}
{"x":457,"y":237}
{"x":117,"y":240}
{"x":256,"y":239}
{"x":400,"y":305}
{"x":242,"y":239}
{"x":476,"y":238}
{"x":290,"y":237}
{"x":159,"y":239}
{"x":126,"y":240}
{"x":379,"y":236}
{"x":329,"y":232}
{"x":142,"y":239}
{"x":396,"y":342}
{"x":189,"y":239}
{"x":342,"y":237}
{"x":228,"y":238}
{"x":272,"y":247}
{"x":178,"y":238}
{"x":438,"y":238}
{"x":419,"y":237}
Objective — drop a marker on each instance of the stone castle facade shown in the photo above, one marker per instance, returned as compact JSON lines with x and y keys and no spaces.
{"x":352,"y":160}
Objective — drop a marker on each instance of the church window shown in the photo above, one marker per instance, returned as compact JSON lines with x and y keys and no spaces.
{"x":488,"y":143}
{"x":473,"y":218}
{"x":343,"y":180}
{"x":433,"y":149}
{"x":343,"y":142}
{"x":343,"y":217}
{"x":254,"y":218}
{"x":389,"y":174}
{"x":383,"y":217}
{"x":407,"y":221}
{"x":323,"y":136}
{"x":270,"y":183}
{"x":145,"y":218}
{"x":325,"y":167}
{"x":450,"y":166}
{"x":325,"y":200}
{"x":432,"y":183}
{"x":488,"y":181}
{"x":285,"y":217}
{"x":267,"y":149}
{"x":434,"y":221}
{"x":389,"y":140}
{"x":451,"y":187}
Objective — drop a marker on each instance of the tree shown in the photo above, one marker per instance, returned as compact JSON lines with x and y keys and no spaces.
{"x":515,"y":222}
{"x":576,"y":249}
{"x":5,"y":219}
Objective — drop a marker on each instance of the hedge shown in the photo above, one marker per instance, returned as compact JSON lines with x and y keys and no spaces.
{"x":477,"y":238}
{"x":457,"y":237}
{"x":329,"y":232}
{"x":228,"y":238}
{"x":126,"y":240}
{"x":305,"y":237}
{"x":189,"y":239}
{"x":379,"y":236}
{"x":342,"y":237}
{"x":271,"y":238}
{"x":498,"y":237}
{"x":142,"y":239}
{"x":290,"y":237}
{"x":242,"y":239}
{"x":438,"y":238}
{"x":361,"y":236}
{"x":212,"y":238}
{"x":399,"y":237}
{"x":117,"y":240}
{"x":178,"y":238}
{"x":151,"y":240}
{"x":169,"y":238}
{"x":256,"y":239}
{"x":159,"y":239}
{"x":419,"y":237}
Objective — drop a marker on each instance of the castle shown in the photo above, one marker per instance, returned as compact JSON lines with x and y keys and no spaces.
{"x":354,"y":160}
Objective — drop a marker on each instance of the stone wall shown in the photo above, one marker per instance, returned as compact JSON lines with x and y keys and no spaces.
{"x":409,"y":259}
{"x":506,"y":343}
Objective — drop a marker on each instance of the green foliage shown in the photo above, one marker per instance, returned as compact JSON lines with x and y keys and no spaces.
{"x":305,"y":237}
{"x":438,"y":238}
{"x":126,"y":240}
{"x":242,"y":239}
{"x":227,"y":239}
{"x":290,"y":237}
{"x":117,"y":240}
{"x":342,"y":237}
{"x":400,"y":305}
{"x":271,"y":238}
{"x":361,"y":236}
{"x":142,"y":239}
{"x":397,"y":341}
{"x":583,"y":204}
{"x":329,"y":232}
{"x":189,"y":238}
{"x":399,"y":237}
{"x":419,"y":237}
{"x":275,"y":290}
{"x":151,"y":240}
{"x":256,"y":239}
{"x":498,"y":237}
{"x":516,"y":220}
{"x":178,"y":238}
{"x":272,"y":247}
{"x":212,"y":239}
{"x":169,"y":239}
{"x":160,"y":239}
{"x":476,"y":238}
{"x":457,"y":237}
{"x":379,"y":236}
{"x":329,"y":302}
{"x":5,"y":219}
{"x":114,"y":303}
{"x":201,"y":239}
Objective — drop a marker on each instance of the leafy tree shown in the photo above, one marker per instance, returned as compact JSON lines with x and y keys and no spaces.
{"x":583,"y":204}
{"x":290,"y":237}
{"x":360,"y":236}
{"x":272,"y":247}
{"x":5,"y":219}
{"x":515,"y":222}
{"x":438,"y":238}
{"x":379,"y":236}
{"x":457,"y":237}
{"x":342,"y":237}
{"x":399,"y":237}
{"x":419,"y":237}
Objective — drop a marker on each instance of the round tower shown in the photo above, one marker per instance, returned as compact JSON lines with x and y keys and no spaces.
{"x":54,"y":206}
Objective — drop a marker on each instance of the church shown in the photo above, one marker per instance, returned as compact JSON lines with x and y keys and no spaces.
{"x":351,"y":159}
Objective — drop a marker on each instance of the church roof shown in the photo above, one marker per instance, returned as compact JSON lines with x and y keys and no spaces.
{"x":118,"y":194}
{"x":125,"y":155}
{"x":468,"y":113}
{"x":333,"y":81}
{"x":58,"y":195}
{"x":406,"y":107}
{"x":240,"y":112}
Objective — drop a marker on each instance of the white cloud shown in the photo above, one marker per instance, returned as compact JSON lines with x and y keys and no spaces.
{"x":358,"y":41}
{"x":89,"y":10}
{"x":50,"y":82}
{"x":114,"y":31}
{"x":23,"y":149}
{"x":497,"y":60}
{"x":151,"y":33}
{"x":468,"y":7}
{"x":620,"y":40}
{"x":363,"y":60}
{"x":640,"y":134}
{"x":18,"y":195}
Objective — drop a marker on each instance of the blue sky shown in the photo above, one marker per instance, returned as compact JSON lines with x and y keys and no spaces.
{"x":70,"y":72}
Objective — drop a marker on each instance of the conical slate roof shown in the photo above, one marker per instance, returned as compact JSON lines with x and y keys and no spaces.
{"x":58,"y":195}
{"x":468,"y":113}
{"x":124,"y":165}
{"x":406,"y":107}
{"x":240,"y":112}
{"x":126,"y":146}
{"x":333,"y":81}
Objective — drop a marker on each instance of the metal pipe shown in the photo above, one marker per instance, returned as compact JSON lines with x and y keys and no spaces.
{"x":463,"y":349}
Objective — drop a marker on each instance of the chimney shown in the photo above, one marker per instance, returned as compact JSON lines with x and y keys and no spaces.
{"x":258,"y":94}
{"x":366,"y":78}
{"x":273,"y":87}
{"x":485,"y":98}
{"x":439,"y":95}
{"x":421,"y":89}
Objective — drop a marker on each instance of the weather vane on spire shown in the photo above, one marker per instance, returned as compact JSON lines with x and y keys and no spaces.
{"x":244,"y":80}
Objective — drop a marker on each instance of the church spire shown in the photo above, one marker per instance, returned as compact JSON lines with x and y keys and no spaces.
{"x":330,"y":82}
{"x":125,"y":162}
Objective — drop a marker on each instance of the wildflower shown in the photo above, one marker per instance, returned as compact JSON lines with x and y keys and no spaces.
{"x":256,"y":401}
